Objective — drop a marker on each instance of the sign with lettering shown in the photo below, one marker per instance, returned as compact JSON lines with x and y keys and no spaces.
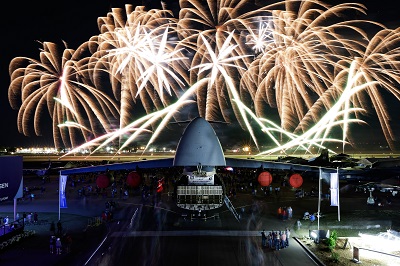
{"x":201,"y":179}
{"x":10,"y":177}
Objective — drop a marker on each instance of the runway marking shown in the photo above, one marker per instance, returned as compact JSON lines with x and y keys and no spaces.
{"x":223,"y":233}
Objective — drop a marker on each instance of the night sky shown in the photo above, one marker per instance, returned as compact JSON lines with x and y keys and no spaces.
{"x":25,"y":23}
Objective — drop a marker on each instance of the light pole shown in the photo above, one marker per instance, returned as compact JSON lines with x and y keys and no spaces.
{"x":319,"y":196}
{"x":370,"y":199}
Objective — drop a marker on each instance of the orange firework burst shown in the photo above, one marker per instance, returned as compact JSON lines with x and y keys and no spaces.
{"x":55,"y":82}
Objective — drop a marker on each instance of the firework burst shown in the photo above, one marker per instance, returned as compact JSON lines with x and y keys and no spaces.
{"x":300,"y":55}
{"x":135,"y":49}
{"x":53,"y":82}
{"x":282,"y":64}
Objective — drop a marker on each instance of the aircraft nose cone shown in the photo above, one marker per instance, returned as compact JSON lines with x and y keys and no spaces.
{"x":199,"y":145}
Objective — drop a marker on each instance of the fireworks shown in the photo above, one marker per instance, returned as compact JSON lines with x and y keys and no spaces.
{"x":134,"y":49}
{"x":222,"y":60}
{"x":54,"y":82}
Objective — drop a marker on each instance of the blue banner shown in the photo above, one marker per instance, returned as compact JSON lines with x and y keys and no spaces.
{"x":63,"y":198}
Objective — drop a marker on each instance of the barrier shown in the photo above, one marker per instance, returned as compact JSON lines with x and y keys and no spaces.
{"x":356,"y":255}
{"x":95,"y":221}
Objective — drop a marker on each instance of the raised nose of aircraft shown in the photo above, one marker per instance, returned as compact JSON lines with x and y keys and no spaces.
{"x":199,"y":145}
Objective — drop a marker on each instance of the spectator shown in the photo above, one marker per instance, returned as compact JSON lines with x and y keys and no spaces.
{"x":68,"y":243}
{"x":270,"y":240}
{"x":58,"y":246}
{"x":59,"y":227}
{"x":12,"y":227}
{"x":298,"y":224}
{"x":263,"y":239}
{"x":277,"y":241}
{"x":52,"y":244}
{"x":287,"y":236}
{"x":312,"y":218}
{"x":290,"y":212}
{"x":53,"y":227}
{"x":283,"y":239}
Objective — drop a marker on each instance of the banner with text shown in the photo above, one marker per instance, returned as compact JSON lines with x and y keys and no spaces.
{"x":63,"y":183}
{"x":11,"y":180}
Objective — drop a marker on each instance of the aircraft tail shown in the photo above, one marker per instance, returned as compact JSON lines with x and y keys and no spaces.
{"x":322,"y":159}
{"x":324,"y":156}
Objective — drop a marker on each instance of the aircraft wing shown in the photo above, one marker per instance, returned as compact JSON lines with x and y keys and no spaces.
{"x":158,"y":163}
{"x":251,"y":163}
{"x":35,"y":171}
{"x":168,"y":162}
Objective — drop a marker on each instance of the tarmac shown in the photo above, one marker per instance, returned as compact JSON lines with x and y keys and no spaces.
{"x":81,"y":220}
{"x":75,"y":219}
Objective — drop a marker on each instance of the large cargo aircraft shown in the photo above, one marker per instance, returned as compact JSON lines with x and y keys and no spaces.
{"x":198,"y":156}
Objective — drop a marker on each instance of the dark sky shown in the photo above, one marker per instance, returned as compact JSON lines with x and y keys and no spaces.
{"x":26,"y":22}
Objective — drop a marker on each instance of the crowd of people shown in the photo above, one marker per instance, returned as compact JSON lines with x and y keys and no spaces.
{"x":60,"y":242}
{"x":275,"y":240}
{"x":285,"y":213}
{"x":241,"y":180}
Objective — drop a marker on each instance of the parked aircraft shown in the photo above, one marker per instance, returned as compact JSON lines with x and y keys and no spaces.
{"x":321,"y":160}
{"x":351,"y":169}
{"x":51,"y":168}
{"x":377,"y":170}
{"x":37,"y":171}
{"x":198,"y":155}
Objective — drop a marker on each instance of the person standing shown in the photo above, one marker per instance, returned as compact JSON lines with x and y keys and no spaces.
{"x":298,"y":225}
{"x":280,"y":212}
{"x":270,"y":239}
{"x":312,"y":218}
{"x":284,"y":213}
{"x":126,"y":194}
{"x":67,"y":243}
{"x":58,"y":246}
{"x":287,"y":236}
{"x":277,"y":241}
{"x":53,"y":227}
{"x":59,"y":227}
{"x":283,"y":239}
{"x":52,"y":244}
{"x":290,"y":212}
{"x":263,"y":239}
